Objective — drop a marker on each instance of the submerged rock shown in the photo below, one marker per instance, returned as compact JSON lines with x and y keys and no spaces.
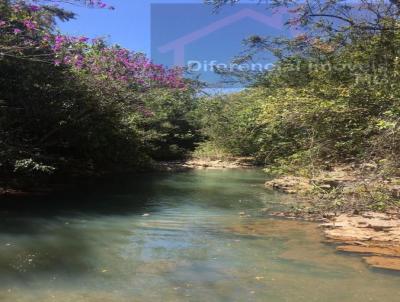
{"x":375,"y":250}
{"x":160,"y":266}
{"x":372,"y":233}
{"x":391,"y":263}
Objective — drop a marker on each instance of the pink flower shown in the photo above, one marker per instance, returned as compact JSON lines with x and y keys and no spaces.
{"x":34,"y":8}
{"x":16,"y":8}
{"x":2,"y":23}
{"x":83,"y":39}
{"x":30,"y":25}
{"x":59,"y":42}
{"x":59,"y":39}
{"x":99,"y":4}
{"x":78,"y":61}
{"x":17,"y":31}
{"x":46,"y":38}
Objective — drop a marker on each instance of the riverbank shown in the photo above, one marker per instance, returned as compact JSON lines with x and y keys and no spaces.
{"x":359,"y":210}
{"x":376,"y":236}
{"x":205,"y":163}
{"x":343,"y":189}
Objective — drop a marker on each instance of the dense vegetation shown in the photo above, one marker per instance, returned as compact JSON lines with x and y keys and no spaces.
{"x":74,"y":106}
{"x":333,"y":96}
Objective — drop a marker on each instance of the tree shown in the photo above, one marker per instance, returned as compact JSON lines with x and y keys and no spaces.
{"x":333,"y":95}
{"x":78,"y":106}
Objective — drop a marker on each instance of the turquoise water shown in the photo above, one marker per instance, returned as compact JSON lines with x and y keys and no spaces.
{"x":195,"y":236}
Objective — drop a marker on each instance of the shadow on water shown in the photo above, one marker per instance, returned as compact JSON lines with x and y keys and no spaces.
{"x":204,"y":239}
{"x":122,"y":195}
{"x":44,"y":234}
{"x":132,"y":193}
{"x":70,"y":232}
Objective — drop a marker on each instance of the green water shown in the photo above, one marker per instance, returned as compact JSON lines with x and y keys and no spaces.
{"x":196,"y":236}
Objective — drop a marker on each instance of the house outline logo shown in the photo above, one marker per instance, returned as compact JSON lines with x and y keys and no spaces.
{"x":178,"y":46}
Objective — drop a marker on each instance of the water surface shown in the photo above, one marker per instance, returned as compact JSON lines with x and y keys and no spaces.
{"x":195,"y":236}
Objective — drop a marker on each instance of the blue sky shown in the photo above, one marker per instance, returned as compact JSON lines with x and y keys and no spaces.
{"x":128,"y":25}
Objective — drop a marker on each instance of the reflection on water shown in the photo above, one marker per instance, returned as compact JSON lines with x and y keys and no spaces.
{"x":195,"y":236}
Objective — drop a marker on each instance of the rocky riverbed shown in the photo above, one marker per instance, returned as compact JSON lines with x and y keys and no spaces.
{"x":376,"y":236}
{"x":359,"y":210}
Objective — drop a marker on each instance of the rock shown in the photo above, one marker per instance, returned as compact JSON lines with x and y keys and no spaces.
{"x":340,"y":177}
{"x":329,"y":215}
{"x":206,"y":163}
{"x":376,"y":215}
{"x":289,"y":184}
{"x":368,"y":166}
{"x":369,"y":233}
{"x":332,"y":182}
{"x":325,"y":186}
{"x":376,"y":250}
{"x":390,"y":263}
{"x":395,"y":191}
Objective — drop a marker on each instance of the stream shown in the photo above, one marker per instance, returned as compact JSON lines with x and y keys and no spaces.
{"x":193,"y":236}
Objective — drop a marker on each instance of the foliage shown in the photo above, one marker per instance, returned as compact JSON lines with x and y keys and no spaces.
{"x":169,"y":130}
{"x":229,"y":122}
{"x":75,"y":106}
{"x":333,"y":96}
{"x":208,"y":150}
{"x":328,"y":17}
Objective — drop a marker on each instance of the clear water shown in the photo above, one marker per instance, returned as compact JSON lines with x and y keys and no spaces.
{"x":195,"y":244}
